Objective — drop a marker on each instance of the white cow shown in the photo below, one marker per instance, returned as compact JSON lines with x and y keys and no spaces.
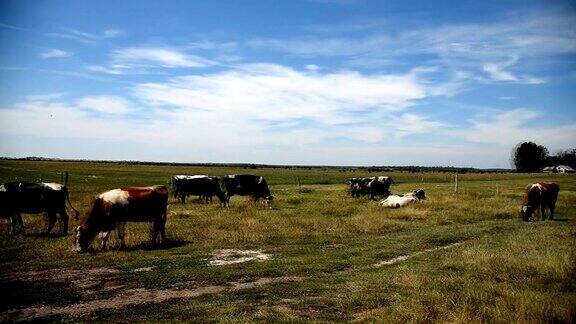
{"x":395,"y":201}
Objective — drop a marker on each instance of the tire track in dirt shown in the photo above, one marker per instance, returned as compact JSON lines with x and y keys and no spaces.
{"x":135,"y":297}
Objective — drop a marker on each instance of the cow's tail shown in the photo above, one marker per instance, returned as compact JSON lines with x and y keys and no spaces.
{"x":76,"y":212}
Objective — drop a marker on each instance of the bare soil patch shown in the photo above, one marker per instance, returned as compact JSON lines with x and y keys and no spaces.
{"x":84,"y":279}
{"x":408,"y":256}
{"x":135,"y":297}
{"x":232,"y":256}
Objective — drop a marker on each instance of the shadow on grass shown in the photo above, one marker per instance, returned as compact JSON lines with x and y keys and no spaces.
{"x":560,"y":219}
{"x":22,"y":293}
{"x":44,"y":234}
{"x":166,"y":245}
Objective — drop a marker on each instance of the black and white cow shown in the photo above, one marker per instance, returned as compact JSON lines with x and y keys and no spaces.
{"x":198,"y":185}
{"x":373,"y":186}
{"x":18,"y":198}
{"x":359,"y":186}
{"x":248,"y":185}
{"x":395,"y":201}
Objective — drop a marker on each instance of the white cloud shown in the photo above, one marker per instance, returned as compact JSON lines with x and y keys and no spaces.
{"x":102,"y":69}
{"x":55,"y":54}
{"x":498,"y":72}
{"x":105,"y":104}
{"x":274,"y":92}
{"x":507,"y":128}
{"x":410,"y":123}
{"x":164,"y":57}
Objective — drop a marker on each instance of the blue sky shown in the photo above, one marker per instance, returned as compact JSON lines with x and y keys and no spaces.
{"x":325,"y":82}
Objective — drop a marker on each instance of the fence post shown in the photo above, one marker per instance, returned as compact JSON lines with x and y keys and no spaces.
{"x":299,"y":185}
{"x":497,"y":189}
{"x":64,"y":178}
{"x":456,"y":183}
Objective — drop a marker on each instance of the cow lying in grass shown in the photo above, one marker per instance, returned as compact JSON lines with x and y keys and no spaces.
{"x":543,"y":195}
{"x":112,"y":209}
{"x":395,"y":201}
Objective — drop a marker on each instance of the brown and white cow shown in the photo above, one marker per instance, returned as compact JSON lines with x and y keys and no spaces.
{"x":112,"y":209}
{"x":543,"y":195}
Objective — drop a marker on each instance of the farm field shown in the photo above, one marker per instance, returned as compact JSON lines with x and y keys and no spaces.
{"x":320,"y":255}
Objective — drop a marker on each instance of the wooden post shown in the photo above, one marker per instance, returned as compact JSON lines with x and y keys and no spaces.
{"x":64,"y":178}
{"x":299,"y":185}
{"x":456,"y":183}
{"x":497,"y":189}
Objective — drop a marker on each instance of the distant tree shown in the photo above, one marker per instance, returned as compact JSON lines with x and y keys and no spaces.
{"x":529,"y":157}
{"x":567,"y":157}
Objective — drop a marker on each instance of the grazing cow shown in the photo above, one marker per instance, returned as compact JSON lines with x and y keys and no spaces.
{"x":373,"y":186}
{"x":248,"y":185}
{"x":359,"y":186}
{"x":380,"y":186}
{"x":395,"y":201}
{"x":543,"y":195}
{"x":200,"y":185}
{"x":114,"y":208}
{"x":35,"y":198}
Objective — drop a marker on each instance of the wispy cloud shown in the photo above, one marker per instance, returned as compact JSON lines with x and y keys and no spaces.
{"x":85,"y":37}
{"x":272,"y":92}
{"x":500,"y":72}
{"x":164,"y":57}
{"x":507,"y":128}
{"x":479,"y":49}
{"x":12,"y":27}
{"x":105,"y":104}
{"x":55,"y":54}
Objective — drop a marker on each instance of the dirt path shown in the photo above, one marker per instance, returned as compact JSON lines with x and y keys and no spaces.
{"x":134,"y":297}
{"x":408,"y":256}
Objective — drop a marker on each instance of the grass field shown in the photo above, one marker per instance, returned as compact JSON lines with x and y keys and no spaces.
{"x":461,"y":257}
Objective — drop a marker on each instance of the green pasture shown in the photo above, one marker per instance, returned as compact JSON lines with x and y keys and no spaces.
{"x":504,"y":269}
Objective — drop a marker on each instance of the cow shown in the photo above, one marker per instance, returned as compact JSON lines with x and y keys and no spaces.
{"x":248,"y":185}
{"x":373,"y":186}
{"x":200,"y":185}
{"x":380,"y":186}
{"x":112,"y":209}
{"x":18,"y":198}
{"x":395,"y":201}
{"x":359,"y":186}
{"x":543,"y":195}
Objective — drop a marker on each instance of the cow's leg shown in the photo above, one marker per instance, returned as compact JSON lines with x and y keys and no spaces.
{"x":13,"y":223}
{"x":121,"y":227}
{"x":155,"y":231}
{"x":543,"y":211}
{"x":64,"y":218}
{"x":20,"y":222}
{"x":182,"y":198}
{"x":552,"y":207}
{"x":51,"y":221}
{"x":158,"y":229}
{"x":104,"y":237}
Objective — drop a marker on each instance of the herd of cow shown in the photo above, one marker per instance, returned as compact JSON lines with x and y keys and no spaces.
{"x":112,"y":209}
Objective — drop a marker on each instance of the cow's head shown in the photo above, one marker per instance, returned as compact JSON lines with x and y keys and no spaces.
{"x":526,"y":212}
{"x":420,"y":194}
{"x":269,"y":201}
{"x":82,"y":240}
